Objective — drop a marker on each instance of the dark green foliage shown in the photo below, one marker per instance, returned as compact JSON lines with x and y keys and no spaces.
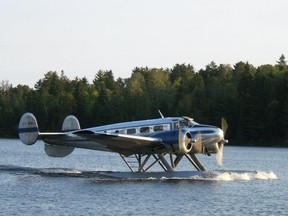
{"x":253,"y":100}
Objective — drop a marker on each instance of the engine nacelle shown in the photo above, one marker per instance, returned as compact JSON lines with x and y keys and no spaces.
{"x":185,"y":143}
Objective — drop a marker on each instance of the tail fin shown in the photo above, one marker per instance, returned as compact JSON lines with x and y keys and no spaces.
{"x":70,"y":123}
{"x":28,"y":129}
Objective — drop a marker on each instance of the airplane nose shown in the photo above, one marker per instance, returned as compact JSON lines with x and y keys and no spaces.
{"x":219,"y":133}
{"x":221,"y":136}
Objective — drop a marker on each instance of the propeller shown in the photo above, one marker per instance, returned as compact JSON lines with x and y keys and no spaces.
{"x":219,"y":156}
{"x":224,"y":125}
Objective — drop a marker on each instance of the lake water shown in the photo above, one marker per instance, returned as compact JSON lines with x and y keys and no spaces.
{"x":31,"y":183}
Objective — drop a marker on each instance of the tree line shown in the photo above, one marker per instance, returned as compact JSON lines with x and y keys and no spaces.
{"x":253,"y":100}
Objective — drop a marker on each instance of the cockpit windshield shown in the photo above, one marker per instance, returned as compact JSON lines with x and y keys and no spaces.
{"x":186,"y":122}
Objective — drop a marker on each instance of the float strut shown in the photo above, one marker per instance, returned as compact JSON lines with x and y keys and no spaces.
{"x":165,"y":163}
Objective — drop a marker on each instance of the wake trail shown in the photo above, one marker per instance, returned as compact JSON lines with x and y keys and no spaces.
{"x":246,"y":176}
{"x":214,"y":175}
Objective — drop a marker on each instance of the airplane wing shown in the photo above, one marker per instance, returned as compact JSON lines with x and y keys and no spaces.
{"x":126,"y":144}
{"x":120,"y":143}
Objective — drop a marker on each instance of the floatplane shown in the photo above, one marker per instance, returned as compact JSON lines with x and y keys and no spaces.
{"x":164,"y":141}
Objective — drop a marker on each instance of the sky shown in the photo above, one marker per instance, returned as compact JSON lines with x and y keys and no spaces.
{"x":82,"y":37}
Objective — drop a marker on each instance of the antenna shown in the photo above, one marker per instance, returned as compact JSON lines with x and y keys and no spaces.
{"x":160,"y":114}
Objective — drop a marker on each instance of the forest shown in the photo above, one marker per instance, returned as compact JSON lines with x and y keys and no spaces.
{"x":253,"y":100}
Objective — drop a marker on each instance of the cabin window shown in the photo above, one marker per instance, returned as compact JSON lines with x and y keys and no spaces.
{"x":131,"y":131}
{"x":158,"y":128}
{"x":120,"y":131}
{"x":176,"y":125}
{"x":144,"y":130}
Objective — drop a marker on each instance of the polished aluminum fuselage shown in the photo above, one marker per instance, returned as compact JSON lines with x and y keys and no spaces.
{"x":166,"y":129}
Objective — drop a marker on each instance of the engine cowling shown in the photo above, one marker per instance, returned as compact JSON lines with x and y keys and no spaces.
{"x":185,"y":143}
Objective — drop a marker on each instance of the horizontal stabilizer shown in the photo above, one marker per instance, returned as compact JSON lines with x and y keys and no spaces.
{"x":57,"y":151}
